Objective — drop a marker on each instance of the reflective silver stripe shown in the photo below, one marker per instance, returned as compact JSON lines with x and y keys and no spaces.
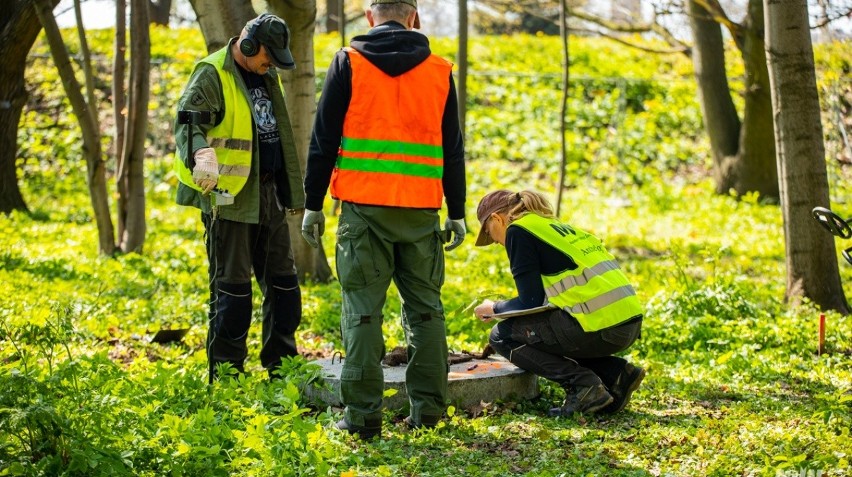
{"x":572,"y":281}
{"x":234,"y":171}
{"x":231,"y":143}
{"x":601,"y":301}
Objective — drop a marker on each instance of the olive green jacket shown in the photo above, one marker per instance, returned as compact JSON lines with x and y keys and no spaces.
{"x":204,"y":93}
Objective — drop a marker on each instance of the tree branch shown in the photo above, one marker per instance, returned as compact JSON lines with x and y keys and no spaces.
{"x":683,"y":49}
{"x":717,"y":13}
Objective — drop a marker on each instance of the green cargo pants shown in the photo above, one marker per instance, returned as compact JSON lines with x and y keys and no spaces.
{"x":375,"y":245}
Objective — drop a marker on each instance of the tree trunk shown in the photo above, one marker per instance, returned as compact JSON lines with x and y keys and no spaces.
{"x":88,"y":72}
{"x":717,"y":106}
{"x":743,"y":152}
{"x":812,"y":269}
{"x":19,"y":28}
{"x":220,"y":20}
{"x":119,"y":65}
{"x":131,"y":173}
{"x":564,"y":14}
{"x":461,"y":87}
{"x":332,"y":15}
{"x":300,"y":93}
{"x":159,"y":12}
{"x":755,"y":168}
{"x":96,"y":170}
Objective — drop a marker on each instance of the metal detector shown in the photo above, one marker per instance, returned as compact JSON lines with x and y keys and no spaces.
{"x":836,"y":225}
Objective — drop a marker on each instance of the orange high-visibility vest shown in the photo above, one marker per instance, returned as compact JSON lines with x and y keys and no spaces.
{"x":391,"y":153}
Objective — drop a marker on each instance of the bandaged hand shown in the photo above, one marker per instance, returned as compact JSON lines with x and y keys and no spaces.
{"x":205,"y":174}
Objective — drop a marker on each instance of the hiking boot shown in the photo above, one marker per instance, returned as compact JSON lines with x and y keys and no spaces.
{"x":426,"y":422}
{"x":370,"y":429}
{"x":582,"y":399}
{"x":627,"y":382}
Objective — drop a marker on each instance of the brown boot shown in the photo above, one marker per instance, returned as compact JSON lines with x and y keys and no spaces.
{"x":582,"y":399}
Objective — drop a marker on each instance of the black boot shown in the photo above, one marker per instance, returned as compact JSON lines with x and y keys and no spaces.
{"x":426,"y":422}
{"x":582,"y":399}
{"x":370,"y":429}
{"x":627,"y":382}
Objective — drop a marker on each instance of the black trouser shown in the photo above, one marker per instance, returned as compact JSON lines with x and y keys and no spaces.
{"x":553,"y":345}
{"x":235,"y":250}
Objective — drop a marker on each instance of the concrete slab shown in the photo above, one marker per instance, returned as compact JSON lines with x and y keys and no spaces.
{"x":470,"y":382}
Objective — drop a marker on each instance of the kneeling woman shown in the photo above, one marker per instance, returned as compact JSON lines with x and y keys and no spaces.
{"x":591,"y":309}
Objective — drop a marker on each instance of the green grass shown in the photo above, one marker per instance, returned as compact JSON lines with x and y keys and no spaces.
{"x":734,"y":384}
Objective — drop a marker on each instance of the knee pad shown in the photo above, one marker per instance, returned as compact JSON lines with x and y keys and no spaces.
{"x":233,"y":310}
{"x":287,"y":304}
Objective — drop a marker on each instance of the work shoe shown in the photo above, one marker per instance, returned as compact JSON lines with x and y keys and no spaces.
{"x":582,"y":399}
{"x":426,"y":422}
{"x":370,"y":429}
{"x":627,"y":382}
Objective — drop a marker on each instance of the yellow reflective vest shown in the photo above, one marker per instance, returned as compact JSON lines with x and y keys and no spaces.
{"x":596,"y":293}
{"x":231,"y":138}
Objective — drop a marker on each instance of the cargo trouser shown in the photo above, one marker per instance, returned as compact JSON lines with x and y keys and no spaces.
{"x":374,"y":246}
{"x":553,"y":345}
{"x":235,"y":250}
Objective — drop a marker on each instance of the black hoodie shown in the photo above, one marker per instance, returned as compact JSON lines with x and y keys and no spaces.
{"x":394,"y":50}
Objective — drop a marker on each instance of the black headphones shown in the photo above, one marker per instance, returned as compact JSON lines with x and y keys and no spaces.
{"x":248,"y":45}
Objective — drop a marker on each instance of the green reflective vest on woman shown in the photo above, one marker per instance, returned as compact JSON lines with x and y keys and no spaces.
{"x":596,"y":293}
{"x":231,"y":138}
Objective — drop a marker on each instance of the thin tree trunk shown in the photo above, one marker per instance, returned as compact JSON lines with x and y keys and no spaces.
{"x":88,"y":73}
{"x":341,"y":27}
{"x":300,"y":89}
{"x":812,"y":269}
{"x":564,"y":14}
{"x":96,"y":170}
{"x":132,"y":226}
{"x":332,"y":15}
{"x":159,"y":12}
{"x":119,"y":65}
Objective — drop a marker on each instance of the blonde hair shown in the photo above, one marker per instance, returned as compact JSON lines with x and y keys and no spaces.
{"x":526,"y":202}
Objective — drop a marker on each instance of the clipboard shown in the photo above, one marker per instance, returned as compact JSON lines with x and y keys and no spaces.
{"x":528,"y":311}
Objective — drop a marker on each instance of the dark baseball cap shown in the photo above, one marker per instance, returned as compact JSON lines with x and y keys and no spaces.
{"x":492,"y":202}
{"x":413,"y":3}
{"x":272,"y":32}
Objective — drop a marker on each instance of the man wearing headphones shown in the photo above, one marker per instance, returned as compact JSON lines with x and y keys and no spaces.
{"x":247,"y":150}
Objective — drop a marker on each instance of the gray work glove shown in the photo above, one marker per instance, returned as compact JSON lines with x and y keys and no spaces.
{"x":458,"y":228}
{"x":313,"y":226}
{"x":205,"y":174}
